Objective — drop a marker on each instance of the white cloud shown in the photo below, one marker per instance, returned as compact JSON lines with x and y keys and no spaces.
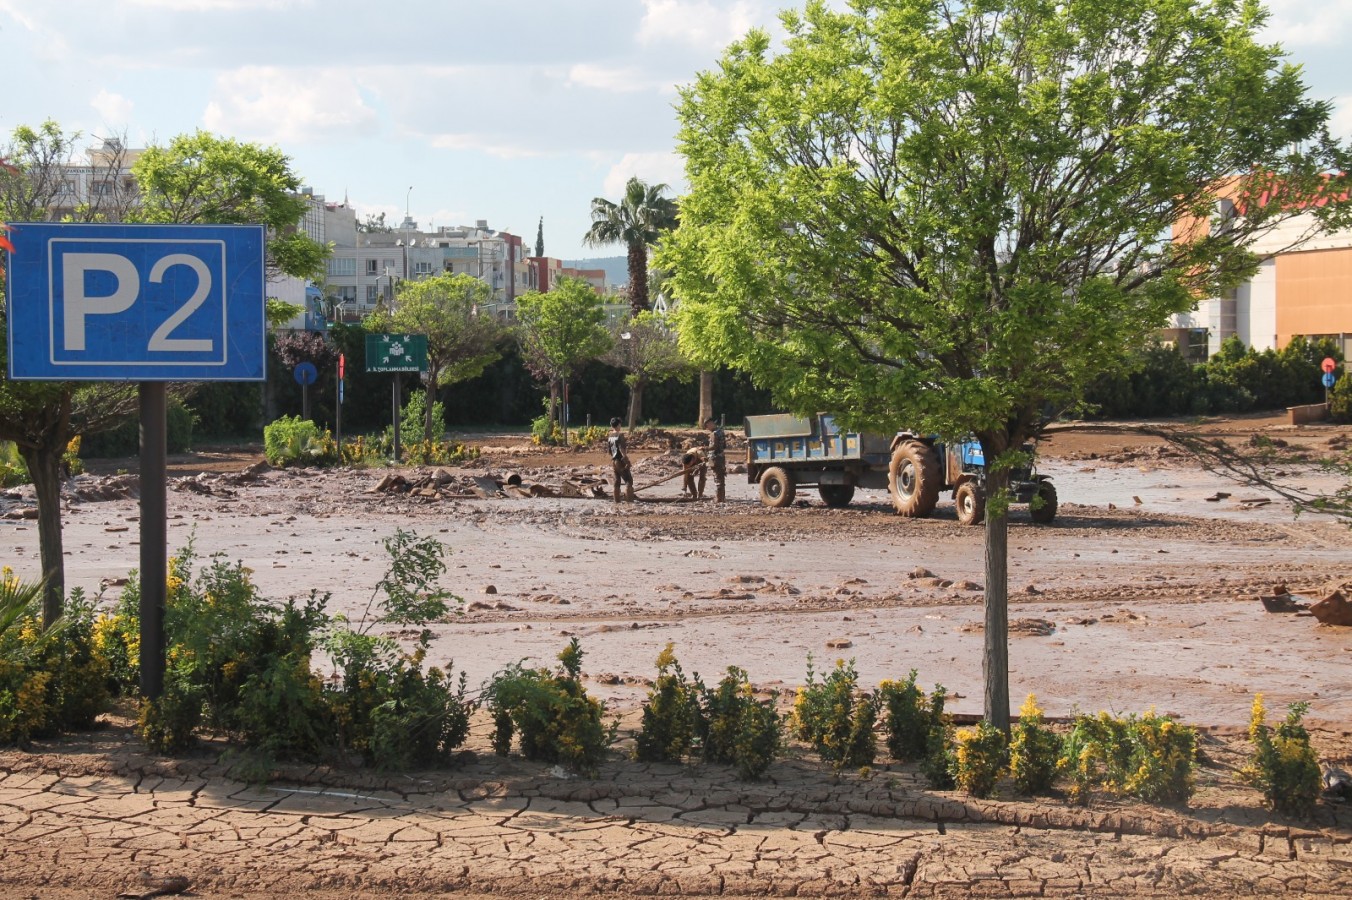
{"x":483,"y":143}
{"x":1340,"y":123}
{"x":280,"y":106}
{"x":222,"y":5}
{"x":1299,"y":23}
{"x":702,"y":23}
{"x":653,"y":168}
{"x":620,"y":81}
{"x":114,"y":108}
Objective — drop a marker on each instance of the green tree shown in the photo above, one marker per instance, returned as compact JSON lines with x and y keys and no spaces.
{"x":947,"y":215}
{"x":559,"y":332}
{"x":637,"y":221}
{"x":200,"y":178}
{"x":646,"y":349}
{"x":462,"y":339}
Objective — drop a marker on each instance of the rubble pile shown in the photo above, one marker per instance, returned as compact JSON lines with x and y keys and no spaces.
{"x":443,"y":484}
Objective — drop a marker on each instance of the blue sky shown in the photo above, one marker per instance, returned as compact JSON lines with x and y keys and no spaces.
{"x":500,"y":111}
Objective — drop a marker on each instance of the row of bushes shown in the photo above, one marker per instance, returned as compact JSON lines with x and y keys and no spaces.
{"x":1160,"y":382}
{"x":241,"y":667}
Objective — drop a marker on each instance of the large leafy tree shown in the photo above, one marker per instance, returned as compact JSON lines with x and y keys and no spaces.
{"x":637,"y":221}
{"x":646,"y":349}
{"x":951,"y":216}
{"x":462,"y":339}
{"x":559,"y":332}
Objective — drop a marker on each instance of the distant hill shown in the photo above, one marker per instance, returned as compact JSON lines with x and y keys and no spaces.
{"x":617,"y":267}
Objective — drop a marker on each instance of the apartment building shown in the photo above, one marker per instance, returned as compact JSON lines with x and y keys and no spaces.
{"x":1303,"y":287}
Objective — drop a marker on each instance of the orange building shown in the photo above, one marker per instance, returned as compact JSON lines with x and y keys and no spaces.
{"x":1305,"y":291}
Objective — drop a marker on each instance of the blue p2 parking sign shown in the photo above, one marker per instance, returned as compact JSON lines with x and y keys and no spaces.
{"x":136,"y":302}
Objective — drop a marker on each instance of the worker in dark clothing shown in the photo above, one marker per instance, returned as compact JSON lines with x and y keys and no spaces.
{"x":718,"y":445}
{"x":693,"y":468}
{"x":619,"y":461}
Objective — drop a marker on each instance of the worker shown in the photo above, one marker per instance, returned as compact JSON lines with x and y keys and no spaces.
{"x":718,"y":445}
{"x":693,"y":468}
{"x":619,"y":461}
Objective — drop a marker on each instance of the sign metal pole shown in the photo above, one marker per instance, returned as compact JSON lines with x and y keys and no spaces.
{"x":154,"y":541}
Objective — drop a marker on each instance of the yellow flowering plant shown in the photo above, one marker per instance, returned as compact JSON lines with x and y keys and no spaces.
{"x":1284,"y":765}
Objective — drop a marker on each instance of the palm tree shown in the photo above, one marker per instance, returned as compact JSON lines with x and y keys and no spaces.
{"x":636,"y":221}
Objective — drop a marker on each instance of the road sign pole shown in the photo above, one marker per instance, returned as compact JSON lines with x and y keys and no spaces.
{"x":338,"y":410}
{"x":154,"y":549}
{"x":398,"y":385}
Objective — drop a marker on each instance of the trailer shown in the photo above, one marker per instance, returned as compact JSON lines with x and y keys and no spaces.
{"x":785,"y":452}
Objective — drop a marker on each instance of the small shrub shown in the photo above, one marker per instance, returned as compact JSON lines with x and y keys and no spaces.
{"x":588,"y":435}
{"x":940,"y":760}
{"x":979,"y":756}
{"x":907,"y":717}
{"x":412,"y":595}
{"x":550,"y":712}
{"x":1284,"y":766}
{"x":835,"y":718}
{"x":1150,"y":757}
{"x":1162,"y":760}
{"x":293,"y":441}
{"x":670,"y":714}
{"x":1033,"y":750}
{"x":736,"y":728}
{"x":50,"y":680}
{"x":13,"y":470}
{"x":71,"y":463}
{"x":544,"y":432}
{"x":1340,"y":399}
{"x":438,"y":453}
{"x":167,"y":723}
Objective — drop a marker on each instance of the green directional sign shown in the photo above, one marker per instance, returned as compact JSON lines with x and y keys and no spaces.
{"x":396,"y":353}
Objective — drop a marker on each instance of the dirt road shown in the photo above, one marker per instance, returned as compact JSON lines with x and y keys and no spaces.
{"x":1142,"y":593}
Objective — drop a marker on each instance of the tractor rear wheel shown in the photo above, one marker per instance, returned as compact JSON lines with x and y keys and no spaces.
{"x":970,"y":500}
{"x":913,"y":478}
{"x":1043,"y":507}
{"x":836,"y":496}
{"x":776,"y":487}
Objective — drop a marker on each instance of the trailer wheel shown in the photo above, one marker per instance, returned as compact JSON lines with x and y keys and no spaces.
{"x":913,"y":478}
{"x":776,"y":487}
{"x":970,"y":500}
{"x":836,"y":495}
{"x":1043,"y":507}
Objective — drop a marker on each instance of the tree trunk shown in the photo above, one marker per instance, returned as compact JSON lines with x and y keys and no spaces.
{"x":995,"y":660}
{"x":638,"y":278}
{"x":554,"y":411}
{"x":430,"y":399}
{"x":635,"y":403}
{"x":706,"y":397}
{"x":44,"y":467}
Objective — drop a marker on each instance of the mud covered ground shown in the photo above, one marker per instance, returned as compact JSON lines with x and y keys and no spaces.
{"x":1143,"y":593}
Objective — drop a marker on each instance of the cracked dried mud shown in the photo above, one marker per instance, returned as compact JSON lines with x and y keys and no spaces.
{"x":1142,"y":594}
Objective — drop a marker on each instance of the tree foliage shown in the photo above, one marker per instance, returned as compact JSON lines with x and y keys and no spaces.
{"x":637,"y":221}
{"x":645,"y":348}
{"x":462,"y":339}
{"x":560,"y":331}
{"x":948,"y":215}
{"x":200,"y":178}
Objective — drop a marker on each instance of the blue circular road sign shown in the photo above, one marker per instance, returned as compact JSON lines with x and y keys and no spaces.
{"x":1329,"y":379}
{"x":306,"y":373}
